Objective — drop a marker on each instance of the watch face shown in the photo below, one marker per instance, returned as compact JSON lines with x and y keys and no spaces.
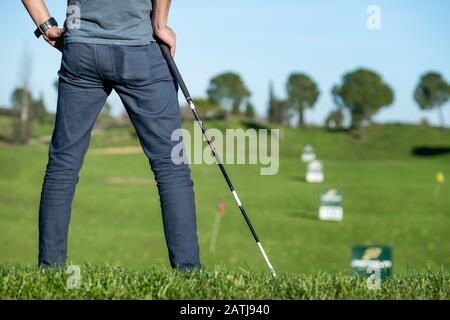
{"x":48,"y":24}
{"x":45,"y":26}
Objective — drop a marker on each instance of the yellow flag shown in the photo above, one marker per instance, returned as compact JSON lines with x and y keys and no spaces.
{"x":440,"y":177}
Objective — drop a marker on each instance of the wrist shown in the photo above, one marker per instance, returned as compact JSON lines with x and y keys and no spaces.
{"x":158,"y":26}
{"x":45,"y":27}
{"x":42,"y":19}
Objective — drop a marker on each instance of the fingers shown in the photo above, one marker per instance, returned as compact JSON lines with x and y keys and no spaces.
{"x":172,"y":50}
{"x":167,"y":36}
{"x":60,"y":31}
{"x":58,"y":43}
{"x":54,"y":37}
{"x":54,"y":33}
{"x":173,"y":47}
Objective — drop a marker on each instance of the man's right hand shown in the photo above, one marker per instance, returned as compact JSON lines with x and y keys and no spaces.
{"x":39,"y":12}
{"x":166,"y":35}
{"x":54,"y":36}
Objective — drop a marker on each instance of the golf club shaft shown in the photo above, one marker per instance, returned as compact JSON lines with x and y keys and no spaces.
{"x":173,"y":67}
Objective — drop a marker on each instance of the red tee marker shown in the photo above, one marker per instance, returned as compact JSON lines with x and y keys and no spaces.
{"x":221,"y":207}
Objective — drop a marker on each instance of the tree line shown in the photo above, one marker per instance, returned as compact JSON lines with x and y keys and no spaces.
{"x":24,"y":111}
{"x":362,"y":93}
{"x":27,"y":110}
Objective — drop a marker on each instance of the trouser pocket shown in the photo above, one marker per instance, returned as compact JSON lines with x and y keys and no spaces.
{"x":70,"y":65}
{"x":132,"y":63}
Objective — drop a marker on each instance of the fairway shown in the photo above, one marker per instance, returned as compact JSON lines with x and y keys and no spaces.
{"x":389,"y":197}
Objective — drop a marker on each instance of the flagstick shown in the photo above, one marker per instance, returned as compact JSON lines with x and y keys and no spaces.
{"x":215,"y":233}
{"x":438,"y":190}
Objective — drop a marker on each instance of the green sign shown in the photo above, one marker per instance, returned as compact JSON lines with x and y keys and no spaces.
{"x":373,"y":260}
{"x":314,"y":172}
{"x":308,"y":153}
{"x":331,"y":205}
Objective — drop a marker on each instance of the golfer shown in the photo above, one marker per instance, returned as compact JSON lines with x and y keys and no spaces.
{"x":111,"y":45}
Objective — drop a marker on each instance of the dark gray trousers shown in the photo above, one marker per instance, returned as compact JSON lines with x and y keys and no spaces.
{"x":141,"y":77}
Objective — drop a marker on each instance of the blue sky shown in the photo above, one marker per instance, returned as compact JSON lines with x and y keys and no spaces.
{"x":266,"y":40}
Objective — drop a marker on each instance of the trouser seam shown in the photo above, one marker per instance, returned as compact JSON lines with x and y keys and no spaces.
{"x":113,"y":67}
{"x":97,"y":66}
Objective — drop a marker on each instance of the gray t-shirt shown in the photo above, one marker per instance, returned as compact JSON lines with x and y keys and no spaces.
{"x":124,"y":22}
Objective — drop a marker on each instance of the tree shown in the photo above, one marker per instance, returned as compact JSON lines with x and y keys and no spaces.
{"x":363,"y":93}
{"x":302,"y":93}
{"x":271,"y":112}
{"x":22,"y":125}
{"x":432,"y":92}
{"x":206,"y":109}
{"x":249,"y":110}
{"x":335,"y":119}
{"x":205,"y":106}
{"x":39,"y":112}
{"x":19,"y":94}
{"x":277,"y":111}
{"x":228,"y":90}
{"x":22,"y":103}
{"x":26,"y":110}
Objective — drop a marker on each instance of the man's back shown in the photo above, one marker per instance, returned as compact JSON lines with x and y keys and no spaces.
{"x":109,"y":22}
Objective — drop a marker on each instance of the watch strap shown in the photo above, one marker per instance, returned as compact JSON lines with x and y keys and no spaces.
{"x":41,"y":29}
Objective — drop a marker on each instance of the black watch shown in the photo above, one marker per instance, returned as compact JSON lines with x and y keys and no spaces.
{"x":45,"y":26}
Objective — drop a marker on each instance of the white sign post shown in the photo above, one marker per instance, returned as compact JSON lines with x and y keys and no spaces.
{"x":308,"y":153}
{"x":331,"y":205}
{"x":314,"y":172}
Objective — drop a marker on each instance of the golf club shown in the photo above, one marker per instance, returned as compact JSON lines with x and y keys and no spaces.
{"x":173,"y":67}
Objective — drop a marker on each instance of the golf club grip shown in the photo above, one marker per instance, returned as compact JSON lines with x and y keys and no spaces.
{"x":173,"y":67}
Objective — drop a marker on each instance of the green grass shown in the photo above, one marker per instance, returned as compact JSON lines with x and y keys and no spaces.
{"x":389,"y":198}
{"x":114,"y":282}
